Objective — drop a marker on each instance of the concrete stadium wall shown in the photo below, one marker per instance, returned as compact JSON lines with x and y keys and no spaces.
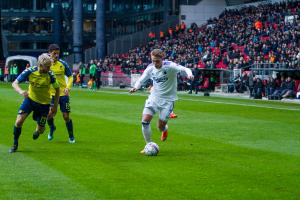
{"x":124,"y":43}
{"x":201,"y":12}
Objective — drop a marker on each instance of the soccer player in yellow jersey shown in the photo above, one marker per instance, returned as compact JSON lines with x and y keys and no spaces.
{"x":37,"y":98}
{"x":61,"y":71}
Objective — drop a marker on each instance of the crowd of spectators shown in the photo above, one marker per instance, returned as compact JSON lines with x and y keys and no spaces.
{"x":274,"y":88}
{"x":9,"y":73}
{"x":263,"y":36}
{"x":250,"y":37}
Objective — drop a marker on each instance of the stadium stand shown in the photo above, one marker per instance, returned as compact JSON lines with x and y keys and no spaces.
{"x":231,"y":41}
{"x":247,"y":39}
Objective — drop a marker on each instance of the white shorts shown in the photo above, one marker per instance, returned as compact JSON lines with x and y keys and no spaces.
{"x":162,"y":106}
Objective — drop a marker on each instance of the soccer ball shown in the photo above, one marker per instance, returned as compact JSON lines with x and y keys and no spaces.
{"x":151,"y":149}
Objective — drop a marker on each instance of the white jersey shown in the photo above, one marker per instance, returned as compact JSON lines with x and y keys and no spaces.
{"x":164,"y":80}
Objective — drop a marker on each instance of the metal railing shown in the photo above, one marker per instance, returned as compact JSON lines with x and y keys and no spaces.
{"x":115,"y":80}
{"x":274,"y":66}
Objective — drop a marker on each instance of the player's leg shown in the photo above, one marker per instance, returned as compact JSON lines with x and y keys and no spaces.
{"x":40,"y":128}
{"x":191,"y":85}
{"x":197,"y":84}
{"x":150,"y":109}
{"x":17,"y":131}
{"x":40,"y":116}
{"x":50,"y":120}
{"x":81,"y":80}
{"x":164,"y":115}
{"x":66,"y":109}
{"x":146,"y":128}
{"x":163,"y":127}
{"x":148,"y":112}
{"x":69,"y":125}
{"x":24,"y":110}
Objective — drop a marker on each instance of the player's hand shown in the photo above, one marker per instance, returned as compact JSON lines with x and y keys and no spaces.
{"x":132,"y":90}
{"x":53,"y":110}
{"x":24,"y":93}
{"x":67,"y":91}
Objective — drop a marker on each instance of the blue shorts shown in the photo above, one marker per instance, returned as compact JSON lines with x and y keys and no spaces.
{"x":40,"y":111}
{"x":64,"y":103}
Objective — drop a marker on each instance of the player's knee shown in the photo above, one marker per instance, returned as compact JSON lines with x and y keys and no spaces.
{"x":19,"y":123}
{"x":66,"y":117}
{"x":145,"y":123}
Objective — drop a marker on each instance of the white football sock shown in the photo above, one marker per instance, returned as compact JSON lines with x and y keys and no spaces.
{"x":146,"y":129}
{"x":166,"y":127}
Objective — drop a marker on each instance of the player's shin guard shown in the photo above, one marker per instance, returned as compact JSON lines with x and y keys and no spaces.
{"x":51,"y":125}
{"x":146,"y":128}
{"x":69,"y":126}
{"x":17,"y":133}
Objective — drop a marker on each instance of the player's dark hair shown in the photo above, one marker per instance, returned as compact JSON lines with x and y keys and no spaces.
{"x":53,"y":47}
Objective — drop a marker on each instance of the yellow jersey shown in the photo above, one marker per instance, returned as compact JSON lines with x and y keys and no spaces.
{"x":61,"y":69}
{"x":39,"y":84}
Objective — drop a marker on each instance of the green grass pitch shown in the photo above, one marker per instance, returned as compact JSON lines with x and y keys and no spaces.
{"x":218,"y":148}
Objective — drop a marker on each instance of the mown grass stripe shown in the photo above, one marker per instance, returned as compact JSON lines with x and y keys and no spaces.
{"x":23,"y":177}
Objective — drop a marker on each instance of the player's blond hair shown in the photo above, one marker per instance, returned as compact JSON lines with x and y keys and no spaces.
{"x":158,"y":53}
{"x":44,"y":60}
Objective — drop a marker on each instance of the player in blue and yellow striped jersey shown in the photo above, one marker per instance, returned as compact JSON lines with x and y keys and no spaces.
{"x":37,"y":98}
{"x":61,"y":71}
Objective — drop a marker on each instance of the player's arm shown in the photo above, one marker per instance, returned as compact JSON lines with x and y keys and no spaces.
{"x":180,"y":68}
{"x":68,"y":73}
{"x":145,"y":76}
{"x":69,"y":85}
{"x":56,"y":97}
{"x":55,"y":85}
{"x":18,"y":89}
{"x":22,"y":77}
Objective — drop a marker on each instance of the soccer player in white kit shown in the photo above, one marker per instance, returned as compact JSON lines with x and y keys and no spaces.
{"x":164,"y":92}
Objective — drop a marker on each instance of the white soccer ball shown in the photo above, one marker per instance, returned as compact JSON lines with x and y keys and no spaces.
{"x":151,"y":149}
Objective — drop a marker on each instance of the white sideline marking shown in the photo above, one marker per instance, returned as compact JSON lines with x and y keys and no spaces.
{"x":207,"y":101}
{"x":240,"y":104}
